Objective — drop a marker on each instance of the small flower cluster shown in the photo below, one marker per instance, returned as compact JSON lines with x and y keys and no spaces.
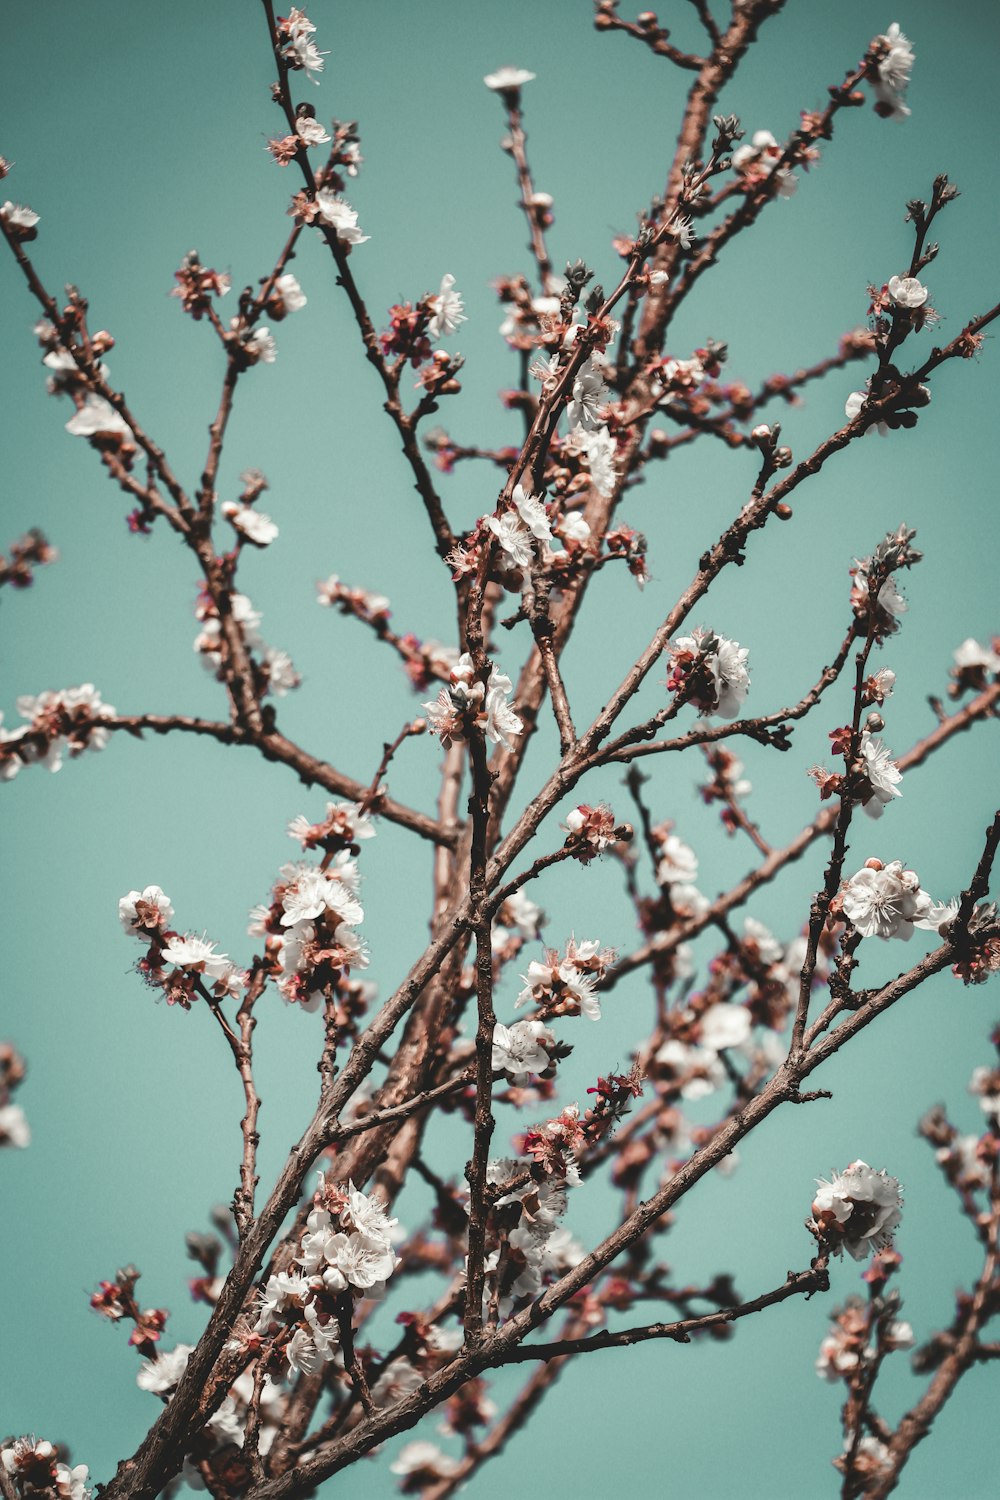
{"x":858,"y":1210}
{"x":421,"y":1464}
{"x":335,"y":212}
{"x":115,"y":1300}
{"x":709,"y":671}
{"x":727,"y":784}
{"x":33,"y":1467}
{"x":592,"y":830}
{"x":622,"y":541}
{"x":251,"y":525}
{"x":274,"y":670}
{"x":847,"y":1345}
{"x":95,"y":418}
{"x":518,"y":921}
{"x":875,"y":573}
{"x":28,"y":552}
{"x":974,"y":666}
{"x":66,"y":720}
{"x":314,"y":909}
{"x":566,"y":985}
{"x":225,"y":1429}
{"x":198,"y":284}
{"x":533,"y":1245}
{"x":14,"y":1129}
{"x":295,"y":36}
{"x":308,"y":132}
{"x":185,"y":967}
{"x":884,"y":900}
{"x":345,"y":1254}
{"x":757,"y":163}
{"x":411,"y":328}
{"x":873,"y":780}
{"x":891,"y":73}
{"x":466,"y":704}
{"x":677,"y":871}
{"x":557,"y":1146}
{"x":344,"y":827}
{"x":20,"y":222}
{"x":981,"y":956}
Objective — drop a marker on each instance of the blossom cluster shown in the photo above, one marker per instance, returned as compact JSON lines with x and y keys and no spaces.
{"x":314,"y":910}
{"x":534,"y":1245}
{"x":295,"y":33}
{"x":592,"y":830}
{"x":345,"y":1253}
{"x":184,"y":966}
{"x":858,"y":1210}
{"x":566,"y":985}
{"x":66,"y":720}
{"x":224,"y":1430}
{"x":29,"y":551}
{"x":848,"y":1347}
{"x":198,"y":284}
{"x":14,"y":1129}
{"x":885,"y":900}
{"x":467,"y":704}
{"x":274,"y":669}
{"x":709,"y":671}
{"x":34,"y":1469}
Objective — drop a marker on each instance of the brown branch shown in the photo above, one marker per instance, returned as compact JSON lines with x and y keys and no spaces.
{"x":275,"y":747}
{"x":533,"y":215}
{"x":798,"y":1284}
{"x":915,"y":1425}
{"x":983,"y":706}
{"x":479,"y":1204}
{"x":650,"y":34}
{"x":405,"y":425}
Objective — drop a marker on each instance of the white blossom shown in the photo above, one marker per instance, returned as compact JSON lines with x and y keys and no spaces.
{"x":424,"y":1458}
{"x":198,"y":955}
{"x":600,"y":450}
{"x":882,"y":773}
{"x":506,"y":79}
{"x":449,"y":310}
{"x":309,"y":130}
{"x":894,"y":73}
{"x":501,"y":720}
{"x":14,"y":1128}
{"x":514,"y":538}
{"x":340,"y":216}
{"x":19,"y":219}
{"x":678,"y":862}
{"x":518,"y":1050}
{"x":532,"y":513}
{"x":291,"y":294}
{"x":724,"y":1025}
{"x":253,"y":525}
{"x":142,"y":912}
{"x":162,"y":1373}
{"x":852,"y":407}
{"x":907,"y":291}
{"x":858,"y":1209}
{"x":763,"y":153}
{"x":970,"y":655}
{"x":590,"y":395}
{"x":260,"y":347}
{"x":98,"y":418}
{"x":886,"y":901}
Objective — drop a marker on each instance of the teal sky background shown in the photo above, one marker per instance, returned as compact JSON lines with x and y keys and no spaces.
{"x":138,"y":132}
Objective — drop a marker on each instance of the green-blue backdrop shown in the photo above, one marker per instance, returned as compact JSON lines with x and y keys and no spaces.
{"x":138,"y":132}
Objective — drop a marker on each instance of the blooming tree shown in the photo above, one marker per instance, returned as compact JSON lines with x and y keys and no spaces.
{"x":298,"y":1373}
